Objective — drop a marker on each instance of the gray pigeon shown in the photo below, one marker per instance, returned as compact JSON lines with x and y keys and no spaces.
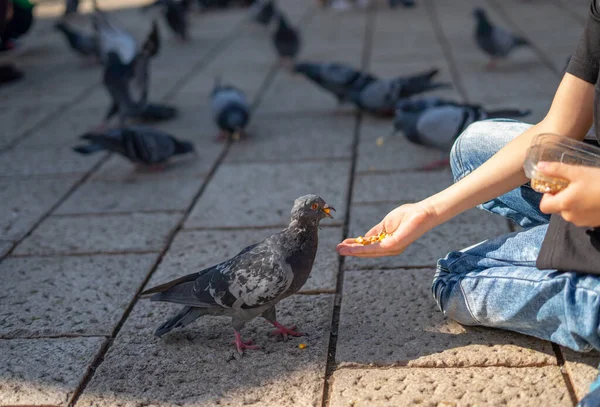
{"x":494,"y":41}
{"x":251,"y":283}
{"x":144,"y":146}
{"x":286,"y":40}
{"x":340,"y":79}
{"x":405,"y":3}
{"x":436,"y":123}
{"x":82,"y":43}
{"x":230,"y":110}
{"x":263,"y":12}
{"x":175,"y":15}
{"x":379,"y":97}
{"x":126,"y":70}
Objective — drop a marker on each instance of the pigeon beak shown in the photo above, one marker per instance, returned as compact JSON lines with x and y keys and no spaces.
{"x":327,"y":209}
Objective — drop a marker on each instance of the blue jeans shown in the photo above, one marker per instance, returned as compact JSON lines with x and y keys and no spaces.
{"x":495,"y":283}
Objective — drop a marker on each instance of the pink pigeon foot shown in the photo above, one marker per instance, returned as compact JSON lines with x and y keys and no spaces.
{"x":284,"y":332}
{"x":241,"y":345}
{"x":491,"y":65}
{"x":222,"y":137}
{"x":436,"y":165}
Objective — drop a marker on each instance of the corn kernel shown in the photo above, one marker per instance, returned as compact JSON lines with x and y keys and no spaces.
{"x":302,"y":346}
{"x":549,"y":187}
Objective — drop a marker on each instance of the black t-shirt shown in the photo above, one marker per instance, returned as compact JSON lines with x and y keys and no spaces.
{"x":566,"y":246}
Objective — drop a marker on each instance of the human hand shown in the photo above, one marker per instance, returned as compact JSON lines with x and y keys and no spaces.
{"x":405,"y":224}
{"x":579,"y":202}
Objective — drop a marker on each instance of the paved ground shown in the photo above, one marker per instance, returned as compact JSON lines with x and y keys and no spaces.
{"x":81,"y":236}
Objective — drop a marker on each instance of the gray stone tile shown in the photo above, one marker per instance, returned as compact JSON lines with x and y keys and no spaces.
{"x":132,"y":195}
{"x":44,"y":371}
{"x":23,"y":202}
{"x":389,"y":318}
{"x":142,"y":369}
{"x":48,"y":161}
{"x":263,"y":194}
{"x":492,"y":386}
{"x":5,"y":246}
{"x":100,"y":234}
{"x":294,"y":139}
{"x":395,"y":154}
{"x":582,"y":369}
{"x":194,"y":250}
{"x":399,"y":186}
{"x":80,"y":295}
{"x":19,"y":119}
{"x":463,"y":231}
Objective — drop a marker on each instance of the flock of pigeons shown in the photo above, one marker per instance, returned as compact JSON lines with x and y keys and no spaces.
{"x":251,"y":283}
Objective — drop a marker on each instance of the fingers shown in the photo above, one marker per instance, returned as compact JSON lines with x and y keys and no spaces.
{"x":358,"y":250}
{"x":559,"y":170}
{"x":550,"y":203}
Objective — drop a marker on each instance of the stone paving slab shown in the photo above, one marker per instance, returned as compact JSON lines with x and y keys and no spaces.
{"x":582,"y":369}
{"x":132,"y":195}
{"x":198,"y":366}
{"x":19,"y":119}
{"x":194,"y":250}
{"x":24,"y":201}
{"x":81,"y":295}
{"x":44,"y":372}
{"x":244,"y":195}
{"x":100,"y":234}
{"x":5,"y":247}
{"x":492,"y":386}
{"x":399,"y":187}
{"x":295,"y":139}
{"x":463,"y":231}
{"x":26,"y":162}
{"x":390,"y":318}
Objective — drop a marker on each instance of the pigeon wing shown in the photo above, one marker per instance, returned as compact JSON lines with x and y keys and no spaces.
{"x":503,"y":41}
{"x":110,"y":37}
{"x":148,"y":146}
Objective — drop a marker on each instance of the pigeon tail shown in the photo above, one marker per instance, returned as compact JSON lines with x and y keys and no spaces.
{"x":508,"y":113}
{"x":107,"y":142}
{"x":88,"y":149}
{"x":183,"y":318}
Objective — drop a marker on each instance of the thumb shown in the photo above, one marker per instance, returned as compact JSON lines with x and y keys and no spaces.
{"x":556,"y":169}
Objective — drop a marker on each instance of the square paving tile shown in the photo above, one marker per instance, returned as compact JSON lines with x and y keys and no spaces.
{"x":263,"y":194}
{"x":44,"y":371}
{"x":194,"y":250}
{"x":47,"y":161}
{"x":24,"y":201}
{"x":80,"y":295}
{"x":399,"y":186}
{"x":582,"y":369}
{"x":19,"y":119}
{"x":100,"y":234}
{"x":142,"y":369}
{"x":131,"y":195}
{"x":295,"y":139}
{"x":492,"y":386}
{"x":390,"y":318}
{"x":465,"y":230}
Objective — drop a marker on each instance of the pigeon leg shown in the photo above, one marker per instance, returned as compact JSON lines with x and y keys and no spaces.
{"x":222,"y":136}
{"x":287,"y":63}
{"x":491,"y":65}
{"x":284,"y":331}
{"x":436,"y":165}
{"x":241,"y":345}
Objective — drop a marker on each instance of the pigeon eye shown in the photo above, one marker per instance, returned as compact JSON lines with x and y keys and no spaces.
{"x":314,"y":206}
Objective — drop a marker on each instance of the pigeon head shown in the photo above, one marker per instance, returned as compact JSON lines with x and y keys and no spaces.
{"x":479,"y":13}
{"x":311,"y":208}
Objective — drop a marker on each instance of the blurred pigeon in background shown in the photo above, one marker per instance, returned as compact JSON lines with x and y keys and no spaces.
{"x":494,"y":41}
{"x":286,"y":40}
{"x":263,"y":12}
{"x":436,"y":123}
{"x":175,"y":15}
{"x":405,"y":3}
{"x":126,"y":70}
{"x":82,"y":43}
{"x":230,"y":110}
{"x":251,"y":283}
{"x":144,"y":146}
{"x":155,"y":112}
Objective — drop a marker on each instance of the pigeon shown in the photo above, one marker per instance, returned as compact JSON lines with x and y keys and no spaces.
{"x":175,"y":15}
{"x":286,"y":40}
{"x":251,"y":283}
{"x":405,"y":3}
{"x":340,"y":79}
{"x":379,"y":97}
{"x":82,"y":43}
{"x":436,"y":122}
{"x":494,"y":41}
{"x":263,"y":12}
{"x":144,"y":146}
{"x":126,"y":69}
{"x":230,"y":110}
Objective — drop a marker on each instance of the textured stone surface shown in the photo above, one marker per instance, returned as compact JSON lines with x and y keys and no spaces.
{"x":5,"y":246}
{"x":142,"y":369}
{"x":84,"y":295}
{"x":24,"y":201}
{"x":18,"y":119}
{"x":292,"y":139}
{"x":492,"y":386}
{"x":463,"y":231}
{"x":23,"y":162}
{"x":100,"y":234}
{"x":44,"y":371}
{"x":389,"y":318}
{"x":263,"y":194}
{"x":582,"y":369}
{"x":399,"y":187}
{"x":195,"y":250}
{"x":133,"y":194}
